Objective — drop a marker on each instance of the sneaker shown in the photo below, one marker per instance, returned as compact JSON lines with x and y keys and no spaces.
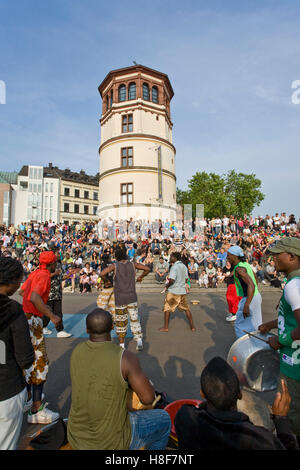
{"x":43,"y":416}
{"x":46,"y":331}
{"x":139,"y":345}
{"x":263,"y":282}
{"x":63,"y":334}
{"x":230,"y":317}
{"x":28,"y":404}
{"x":122,"y":345}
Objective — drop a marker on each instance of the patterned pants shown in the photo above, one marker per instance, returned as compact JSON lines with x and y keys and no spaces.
{"x":106,"y":300}
{"x":121,"y":321}
{"x":37,"y":373}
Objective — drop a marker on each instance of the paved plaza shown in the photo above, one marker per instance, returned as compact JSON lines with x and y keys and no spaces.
{"x":172,"y":360}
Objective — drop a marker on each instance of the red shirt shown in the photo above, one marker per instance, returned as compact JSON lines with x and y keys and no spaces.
{"x":40,"y":282}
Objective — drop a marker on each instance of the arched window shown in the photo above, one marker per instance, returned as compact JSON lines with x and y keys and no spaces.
{"x":155,"y":94}
{"x":132,"y":91}
{"x":122,"y":93}
{"x":146,"y":92}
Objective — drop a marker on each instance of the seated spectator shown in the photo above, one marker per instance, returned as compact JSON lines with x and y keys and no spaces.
{"x":217,"y":425}
{"x":221,"y":258}
{"x":211,"y":274}
{"x":85,"y":283}
{"x":270,"y":271}
{"x":258,"y":270}
{"x":155,"y":247}
{"x":220,"y":276}
{"x":16,"y":354}
{"x":193,"y":269}
{"x":102,"y":373}
{"x":149,"y":261}
{"x":161,"y":270}
{"x":203,"y":279}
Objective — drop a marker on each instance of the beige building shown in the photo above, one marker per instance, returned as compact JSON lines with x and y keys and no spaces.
{"x":137,"y":156}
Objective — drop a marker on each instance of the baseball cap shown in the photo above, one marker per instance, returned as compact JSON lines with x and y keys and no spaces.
{"x":286,"y":245}
{"x":236,"y":250}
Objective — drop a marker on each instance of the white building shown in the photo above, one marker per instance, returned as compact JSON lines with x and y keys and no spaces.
{"x":36,"y":198}
{"x":137,"y":156}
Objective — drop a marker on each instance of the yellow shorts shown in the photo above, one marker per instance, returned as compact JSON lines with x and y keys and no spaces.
{"x":173,"y":301}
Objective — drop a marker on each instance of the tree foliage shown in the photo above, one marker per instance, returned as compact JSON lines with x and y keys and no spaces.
{"x":231,"y":193}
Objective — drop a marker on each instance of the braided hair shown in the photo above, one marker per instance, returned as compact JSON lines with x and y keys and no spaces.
{"x":10,"y":270}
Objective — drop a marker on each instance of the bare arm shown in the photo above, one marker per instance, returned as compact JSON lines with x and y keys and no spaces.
{"x":38,"y":302}
{"x":141,"y":267}
{"x":107,"y":270}
{"x":133,"y":374}
{"x":242,"y":274}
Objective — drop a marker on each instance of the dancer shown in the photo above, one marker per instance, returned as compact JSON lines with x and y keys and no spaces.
{"x":176,"y":292}
{"x":231,"y":295}
{"x":125,"y":296}
{"x":286,"y":253}
{"x":35,"y":293}
{"x":248,"y":316}
{"x":106,"y":298}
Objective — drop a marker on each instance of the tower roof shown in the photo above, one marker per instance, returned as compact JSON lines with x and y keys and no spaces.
{"x":136,"y":68}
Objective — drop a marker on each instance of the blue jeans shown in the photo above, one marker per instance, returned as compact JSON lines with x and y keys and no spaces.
{"x":252,"y":322}
{"x":149,"y":429}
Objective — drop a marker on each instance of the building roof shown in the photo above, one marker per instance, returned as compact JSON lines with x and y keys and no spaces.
{"x":136,"y":68}
{"x":9,"y":177}
{"x":54,"y":172}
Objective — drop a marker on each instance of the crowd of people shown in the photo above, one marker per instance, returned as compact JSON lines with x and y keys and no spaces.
{"x":106,"y":255}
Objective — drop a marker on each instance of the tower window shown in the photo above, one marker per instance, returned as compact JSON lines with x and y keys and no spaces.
{"x":132,"y":91}
{"x":126,"y":193}
{"x":107,"y":102}
{"x":126,"y":156}
{"x":127,"y":123}
{"x":146,"y":92}
{"x":122,"y":93}
{"x":111,"y":99}
{"x":155,"y":94}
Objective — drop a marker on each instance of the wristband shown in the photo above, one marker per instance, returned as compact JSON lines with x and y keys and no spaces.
{"x":286,"y":339}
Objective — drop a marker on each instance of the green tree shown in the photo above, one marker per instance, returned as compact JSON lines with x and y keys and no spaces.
{"x":231,"y":193}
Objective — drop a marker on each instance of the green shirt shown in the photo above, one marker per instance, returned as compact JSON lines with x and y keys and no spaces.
{"x":98,"y":418}
{"x":239,"y":289}
{"x":289,"y":355}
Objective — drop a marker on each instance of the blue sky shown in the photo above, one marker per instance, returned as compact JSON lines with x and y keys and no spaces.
{"x":231,"y":65}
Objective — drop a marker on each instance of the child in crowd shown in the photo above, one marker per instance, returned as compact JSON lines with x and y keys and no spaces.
{"x":203,"y":279}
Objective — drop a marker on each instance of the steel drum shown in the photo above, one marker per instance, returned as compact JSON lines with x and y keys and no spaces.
{"x":255,"y":362}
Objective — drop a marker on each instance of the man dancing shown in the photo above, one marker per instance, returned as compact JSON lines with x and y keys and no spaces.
{"x":176,"y":292}
{"x":35,"y":293}
{"x":125,"y":296}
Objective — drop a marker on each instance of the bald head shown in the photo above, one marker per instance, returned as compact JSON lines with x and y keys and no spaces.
{"x":99,"y":322}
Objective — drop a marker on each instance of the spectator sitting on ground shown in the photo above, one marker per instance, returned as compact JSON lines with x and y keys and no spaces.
{"x":211,"y":273}
{"x":193,"y":269}
{"x":220,"y":276}
{"x":102,"y":373}
{"x":203,"y":279}
{"x":217,"y":425}
{"x":257,"y":269}
{"x":161,"y":270}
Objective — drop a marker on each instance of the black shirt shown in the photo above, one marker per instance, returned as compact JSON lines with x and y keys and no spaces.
{"x":204,"y":428}
{"x":16,"y":351}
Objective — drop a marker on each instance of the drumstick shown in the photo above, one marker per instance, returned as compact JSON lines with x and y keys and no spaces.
{"x":257,"y":337}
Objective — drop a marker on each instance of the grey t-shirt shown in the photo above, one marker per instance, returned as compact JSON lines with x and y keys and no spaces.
{"x":179,"y":273}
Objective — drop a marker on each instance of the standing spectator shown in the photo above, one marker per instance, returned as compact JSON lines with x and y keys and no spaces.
{"x":16,"y":353}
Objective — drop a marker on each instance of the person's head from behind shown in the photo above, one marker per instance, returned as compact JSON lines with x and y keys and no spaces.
{"x":99,"y":324}
{"x":220,"y":385}
{"x":175,"y":256}
{"x":11,"y":275}
{"x":121,"y":254}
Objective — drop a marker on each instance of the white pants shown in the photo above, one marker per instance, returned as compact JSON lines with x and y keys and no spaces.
{"x":11,"y":419}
